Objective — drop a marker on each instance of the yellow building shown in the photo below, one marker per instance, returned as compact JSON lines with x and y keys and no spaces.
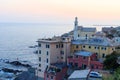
{"x":100,"y":46}
{"x":117,"y":49}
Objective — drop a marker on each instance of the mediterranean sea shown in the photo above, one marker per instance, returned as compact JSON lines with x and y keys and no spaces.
{"x":15,"y":38}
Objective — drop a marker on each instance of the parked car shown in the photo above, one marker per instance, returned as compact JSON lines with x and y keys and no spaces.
{"x":95,"y":74}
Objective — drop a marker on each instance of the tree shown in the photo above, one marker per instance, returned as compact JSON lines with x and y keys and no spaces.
{"x":111,"y":61}
{"x":117,"y":74}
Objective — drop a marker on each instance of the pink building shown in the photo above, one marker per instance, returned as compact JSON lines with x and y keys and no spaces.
{"x":56,"y":71}
{"x":83,"y":60}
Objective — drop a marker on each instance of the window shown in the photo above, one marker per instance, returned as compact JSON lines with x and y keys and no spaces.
{"x":103,"y":55}
{"x":47,"y":76}
{"x":95,"y":47}
{"x":46,"y":67}
{"x":84,"y":46}
{"x":96,"y":54}
{"x":62,"y":52}
{"x":105,"y":48}
{"x":84,"y":66}
{"x":61,"y":57}
{"x":89,"y":47}
{"x":112,"y":48}
{"x":86,"y":36}
{"x":51,"y":77}
{"x":98,"y":47}
{"x":63,"y":38}
{"x":47,"y":52}
{"x":39,"y":58}
{"x":39,"y":51}
{"x":78,"y":35}
{"x":47,"y":60}
{"x":62,"y":46}
{"x":56,"y":46}
{"x":77,"y":46}
{"x":39,"y":45}
{"x":76,"y":56}
{"x":76,"y":64}
{"x":47,"y":46}
{"x":39,"y":65}
{"x":101,"y":48}
{"x":84,"y":57}
{"x":40,"y":70}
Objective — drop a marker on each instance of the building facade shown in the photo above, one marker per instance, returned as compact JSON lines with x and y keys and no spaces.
{"x":81,"y":32}
{"x":100,"y":46}
{"x":51,"y":51}
{"x":56,"y":71}
{"x":117,"y":40}
{"x":84,"y":60}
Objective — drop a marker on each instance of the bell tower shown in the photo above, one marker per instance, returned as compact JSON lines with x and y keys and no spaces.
{"x":75,"y":28}
{"x":76,"y":23}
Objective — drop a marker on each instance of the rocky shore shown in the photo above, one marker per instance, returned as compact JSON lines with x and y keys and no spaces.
{"x":10,"y":70}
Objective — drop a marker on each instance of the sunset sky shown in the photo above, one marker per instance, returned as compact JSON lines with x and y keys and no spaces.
{"x":60,"y":11}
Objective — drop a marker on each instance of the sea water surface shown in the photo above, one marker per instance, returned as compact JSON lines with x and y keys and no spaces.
{"x":15,"y":38}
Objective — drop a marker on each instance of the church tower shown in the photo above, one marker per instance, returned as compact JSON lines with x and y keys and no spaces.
{"x":75,"y":28}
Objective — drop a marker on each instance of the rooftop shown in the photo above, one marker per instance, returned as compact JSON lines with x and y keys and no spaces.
{"x":94,"y":41}
{"x":56,"y":67}
{"x":59,"y":65}
{"x":86,"y":29}
{"x":79,"y":74}
{"x":83,"y":53}
{"x":55,"y":39}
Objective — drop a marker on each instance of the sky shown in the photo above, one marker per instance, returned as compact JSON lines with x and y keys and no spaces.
{"x":89,"y":12}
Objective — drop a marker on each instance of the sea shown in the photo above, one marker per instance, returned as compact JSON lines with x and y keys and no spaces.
{"x":15,"y":39}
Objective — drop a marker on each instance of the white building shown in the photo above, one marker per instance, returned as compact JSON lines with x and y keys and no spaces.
{"x":79,"y":75}
{"x":100,"y":34}
{"x":81,"y":32}
{"x":52,"y":50}
{"x":117,"y":40}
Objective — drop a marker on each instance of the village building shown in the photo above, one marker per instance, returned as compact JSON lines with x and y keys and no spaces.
{"x":52,"y":50}
{"x":84,"y":60}
{"x":81,"y":32}
{"x":81,"y":48}
{"x":100,"y":46}
{"x":56,"y":71}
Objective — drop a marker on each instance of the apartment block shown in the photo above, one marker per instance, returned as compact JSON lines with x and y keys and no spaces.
{"x":51,"y":51}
